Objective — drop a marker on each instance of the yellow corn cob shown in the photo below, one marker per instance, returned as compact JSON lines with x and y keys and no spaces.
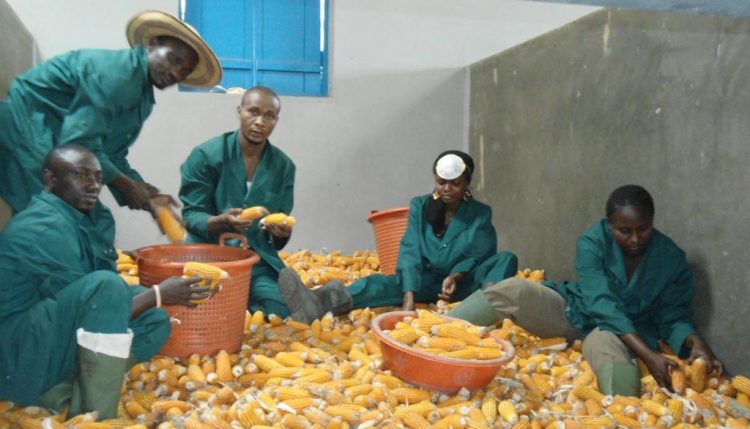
{"x":223,"y":367}
{"x":278,"y":219}
{"x":584,"y":378}
{"x":626,"y":421}
{"x":699,"y":400}
{"x":698,"y":374}
{"x":210,"y":274}
{"x":422,"y":408}
{"x":448,"y":344}
{"x":350,"y":415}
{"x":163,"y":406}
{"x":489,"y":408}
{"x":654,"y":407}
{"x":265,"y":363}
{"x":453,"y":421}
{"x":134,"y":409}
{"x":357,"y":390}
{"x":678,"y":381}
{"x":460,"y":354}
{"x":455,"y":331}
{"x":487,"y":352}
{"x":316,"y":377}
{"x":593,"y":408}
{"x":742,"y":384}
{"x":675,"y":408}
{"x":256,"y":322}
{"x":415,"y":421}
{"x":523,"y":424}
{"x":587,"y":392}
{"x":411,"y":395}
{"x":251,"y":415}
{"x":253,"y":213}
{"x":390,"y":381}
{"x":299,"y":404}
{"x":172,"y":228}
{"x":597,"y":422}
{"x":406,"y":335}
{"x":289,"y":359}
{"x":507,"y":411}
{"x":46,"y":423}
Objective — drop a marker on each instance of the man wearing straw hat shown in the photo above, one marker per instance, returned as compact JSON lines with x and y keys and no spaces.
{"x":69,"y":327}
{"x":99,"y":99}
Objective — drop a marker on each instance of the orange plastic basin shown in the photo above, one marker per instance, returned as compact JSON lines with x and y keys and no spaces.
{"x":431,"y":371}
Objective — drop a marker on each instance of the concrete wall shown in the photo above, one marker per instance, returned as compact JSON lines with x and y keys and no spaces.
{"x":620,"y":97}
{"x":17,"y":53}
{"x":397,"y":98}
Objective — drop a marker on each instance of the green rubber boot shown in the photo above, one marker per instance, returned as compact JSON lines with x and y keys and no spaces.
{"x":102,"y":361}
{"x":475,"y":309}
{"x":58,"y":397}
{"x":619,"y":379}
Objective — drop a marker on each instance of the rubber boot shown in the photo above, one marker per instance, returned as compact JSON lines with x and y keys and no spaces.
{"x":58,"y":397}
{"x":619,"y":379}
{"x":100,"y":372}
{"x":475,"y":309}
{"x":334,"y":296}
{"x":305,"y":305}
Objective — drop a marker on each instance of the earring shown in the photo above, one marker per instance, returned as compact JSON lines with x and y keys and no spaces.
{"x":435,"y":196}
{"x":468,"y":195}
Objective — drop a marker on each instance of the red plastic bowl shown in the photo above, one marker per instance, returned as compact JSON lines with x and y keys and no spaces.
{"x":431,"y":371}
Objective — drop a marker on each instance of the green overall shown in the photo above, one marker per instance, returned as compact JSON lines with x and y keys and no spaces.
{"x":95,"y":98}
{"x":50,"y":287}
{"x":469,"y":246}
{"x":214,"y":180}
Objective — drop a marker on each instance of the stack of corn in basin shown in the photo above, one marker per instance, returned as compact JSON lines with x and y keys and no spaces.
{"x":330,"y":375}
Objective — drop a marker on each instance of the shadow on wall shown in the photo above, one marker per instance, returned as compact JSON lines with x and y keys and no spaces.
{"x":617,"y":97}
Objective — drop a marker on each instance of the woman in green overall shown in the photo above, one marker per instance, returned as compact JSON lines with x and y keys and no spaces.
{"x":634,"y":289}
{"x":69,"y":327}
{"x":448,"y":251}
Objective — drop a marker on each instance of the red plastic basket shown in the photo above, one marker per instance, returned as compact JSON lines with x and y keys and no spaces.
{"x":389,"y":227}
{"x":216,"y":324}
{"x":431,"y":371}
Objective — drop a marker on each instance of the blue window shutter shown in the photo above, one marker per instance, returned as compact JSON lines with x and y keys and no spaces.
{"x":275,"y":43}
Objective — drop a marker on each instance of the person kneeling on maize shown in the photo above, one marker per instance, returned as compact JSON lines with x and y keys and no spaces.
{"x":69,"y":326}
{"x":634,"y":288}
{"x":242,"y":169}
{"x":448,"y":251}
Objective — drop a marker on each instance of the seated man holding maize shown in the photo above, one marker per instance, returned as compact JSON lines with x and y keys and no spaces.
{"x":448,"y":251}
{"x":634,"y":289}
{"x":69,"y":327}
{"x":242,"y":169}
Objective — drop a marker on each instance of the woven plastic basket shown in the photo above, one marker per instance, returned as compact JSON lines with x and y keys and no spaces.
{"x":389,"y":226}
{"x":216,"y":324}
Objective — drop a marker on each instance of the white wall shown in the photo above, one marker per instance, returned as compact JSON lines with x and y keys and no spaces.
{"x":398,"y":96}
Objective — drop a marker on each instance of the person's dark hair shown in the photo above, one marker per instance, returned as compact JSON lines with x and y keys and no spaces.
{"x":55,"y":155}
{"x":264,"y":90}
{"x":435,"y":210}
{"x":631,"y":195}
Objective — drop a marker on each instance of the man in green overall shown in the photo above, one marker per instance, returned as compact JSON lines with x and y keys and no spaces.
{"x":242,"y":169}
{"x":69,"y":327}
{"x":98,"y":99}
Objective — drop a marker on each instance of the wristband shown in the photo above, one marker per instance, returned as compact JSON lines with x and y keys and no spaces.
{"x":158,"y":295}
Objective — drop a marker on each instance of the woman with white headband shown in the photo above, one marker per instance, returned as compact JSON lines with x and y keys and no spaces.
{"x":448,"y":251}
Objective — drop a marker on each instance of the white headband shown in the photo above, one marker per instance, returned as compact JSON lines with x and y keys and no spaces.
{"x":450,"y":167}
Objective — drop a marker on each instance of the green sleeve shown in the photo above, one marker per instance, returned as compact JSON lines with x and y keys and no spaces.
{"x":674,"y":315}
{"x":483,"y":245}
{"x":599,"y":302}
{"x":287,"y":194}
{"x":409,"y":264}
{"x":199,"y":181}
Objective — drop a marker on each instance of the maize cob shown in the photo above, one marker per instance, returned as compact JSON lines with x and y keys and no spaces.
{"x":453,"y":421}
{"x":415,"y":421}
{"x":654,"y":407}
{"x":223,"y":367}
{"x":278,"y":219}
{"x":172,"y":228}
{"x":253,"y":213}
{"x":489,"y":408}
{"x":597,"y":422}
{"x":626,"y":421}
{"x":507,"y":411}
{"x":411,"y":395}
{"x":742,"y":384}
{"x":678,"y":381}
{"x":698,"y":374}
{"x":450,"y":330}
{"x":587,"y":392}
{"x":211,"y":275}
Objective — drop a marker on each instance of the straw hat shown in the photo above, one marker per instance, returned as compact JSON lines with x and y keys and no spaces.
{"x":153,"y":23}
